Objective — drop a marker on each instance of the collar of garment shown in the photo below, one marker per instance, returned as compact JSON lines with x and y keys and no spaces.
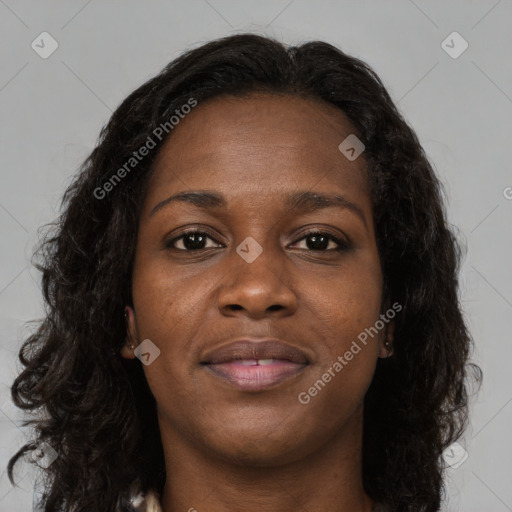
{"x":148,"y":502}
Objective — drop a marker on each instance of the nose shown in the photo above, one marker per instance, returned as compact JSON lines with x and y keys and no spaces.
{"x":257,"y":289}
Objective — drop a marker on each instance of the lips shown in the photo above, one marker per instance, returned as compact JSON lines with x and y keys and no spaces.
{"x":255,"y":349}
{"x":255,"y":365}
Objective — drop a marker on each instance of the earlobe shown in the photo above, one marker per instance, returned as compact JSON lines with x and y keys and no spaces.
{"x":127,"y":349}
{"x":127,"y":352}
{"x":386,"y":349}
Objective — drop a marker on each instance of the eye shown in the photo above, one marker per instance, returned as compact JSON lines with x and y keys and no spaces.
{"x":195,"y":240}
{"x":191,"y":241}
{"x":320,"y":240}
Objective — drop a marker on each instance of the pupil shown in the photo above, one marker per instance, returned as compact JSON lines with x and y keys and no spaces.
{"x":196,"y":244}
{"x":318,"y":242}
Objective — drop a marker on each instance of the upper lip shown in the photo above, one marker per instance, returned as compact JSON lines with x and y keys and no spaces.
{"x":247,"y":348}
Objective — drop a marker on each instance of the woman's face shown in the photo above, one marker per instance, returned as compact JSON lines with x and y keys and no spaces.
{"x":253,"y":273}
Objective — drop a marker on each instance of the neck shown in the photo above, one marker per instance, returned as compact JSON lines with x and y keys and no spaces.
{"x":328,"y":478}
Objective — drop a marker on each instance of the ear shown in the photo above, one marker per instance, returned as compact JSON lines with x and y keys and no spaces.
{"x":131,"y":334}
{"x":386,"y":341}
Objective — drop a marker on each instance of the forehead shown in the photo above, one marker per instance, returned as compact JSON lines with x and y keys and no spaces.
{"x":261,"y":119}
{"x":246,"y":144}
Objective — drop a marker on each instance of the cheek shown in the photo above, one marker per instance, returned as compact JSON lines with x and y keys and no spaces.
{"x":336,"y":387}
{"x":163,"y":299}
{"x":346,"y":310}
{"x":171,"y":310}
{"x":346,"y":304}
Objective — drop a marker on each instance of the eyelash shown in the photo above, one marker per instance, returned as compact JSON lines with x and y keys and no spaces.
{"x":342,"y":245}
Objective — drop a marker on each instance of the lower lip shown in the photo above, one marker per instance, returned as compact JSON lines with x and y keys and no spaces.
{"x":256,"y":377}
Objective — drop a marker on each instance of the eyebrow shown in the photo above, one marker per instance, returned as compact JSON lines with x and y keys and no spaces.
{"x":305,"y":201}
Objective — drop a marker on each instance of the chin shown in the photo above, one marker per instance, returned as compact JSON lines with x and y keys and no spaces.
{"x":267,"y":446}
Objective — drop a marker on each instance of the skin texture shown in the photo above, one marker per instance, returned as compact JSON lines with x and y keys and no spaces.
{"x":226,"y":449}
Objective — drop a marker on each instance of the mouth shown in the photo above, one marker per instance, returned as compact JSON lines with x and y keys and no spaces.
{"x":251,"y":365}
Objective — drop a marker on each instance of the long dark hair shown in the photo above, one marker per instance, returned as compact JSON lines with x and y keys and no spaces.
{"x":96,"y":409}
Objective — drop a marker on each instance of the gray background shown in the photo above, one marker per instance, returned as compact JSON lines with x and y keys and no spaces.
{"x":52,"y":111}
